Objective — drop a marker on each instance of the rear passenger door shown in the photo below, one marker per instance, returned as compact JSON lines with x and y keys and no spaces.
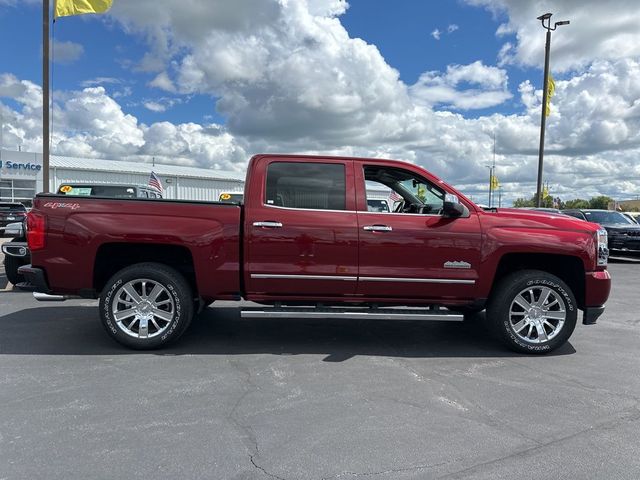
{"x":301,"y":229}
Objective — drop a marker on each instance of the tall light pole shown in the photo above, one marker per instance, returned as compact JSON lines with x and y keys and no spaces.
{"x":546,"y":23}
{"x":45,"y":96}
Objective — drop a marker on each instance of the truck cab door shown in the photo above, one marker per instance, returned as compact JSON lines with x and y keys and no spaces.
{"x":415,"y":251}
{"x":301,"y":236}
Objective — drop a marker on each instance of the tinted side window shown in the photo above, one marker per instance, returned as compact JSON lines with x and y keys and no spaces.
{"x":319,"y":186}
{"x":405,"y":191}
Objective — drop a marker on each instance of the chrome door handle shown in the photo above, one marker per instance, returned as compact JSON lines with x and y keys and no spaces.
{"x":268,"y":224}
{"x":377,"y":228}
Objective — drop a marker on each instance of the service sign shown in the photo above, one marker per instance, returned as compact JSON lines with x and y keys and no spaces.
{"x":17,"y":166}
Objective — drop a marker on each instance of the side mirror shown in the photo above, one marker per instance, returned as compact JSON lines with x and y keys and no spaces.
{"x":454,"y":209}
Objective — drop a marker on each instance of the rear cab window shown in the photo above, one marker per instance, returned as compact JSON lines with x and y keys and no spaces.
{"x":309,"y":186}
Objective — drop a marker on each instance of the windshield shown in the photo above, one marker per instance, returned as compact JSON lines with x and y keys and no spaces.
{"x":421,"y":191}
{"x":231,"y":197}
{"x":12,"y":207}
{"x":607,"y":217}
{"x":99,"y":191}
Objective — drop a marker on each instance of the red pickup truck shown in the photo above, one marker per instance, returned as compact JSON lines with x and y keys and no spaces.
{"x":305,"y":244}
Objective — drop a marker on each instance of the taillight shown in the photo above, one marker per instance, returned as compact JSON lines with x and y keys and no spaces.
{"x":36,"y":226}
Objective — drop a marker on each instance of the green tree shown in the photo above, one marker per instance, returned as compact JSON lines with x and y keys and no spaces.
{"x":600,"y":202}
{"x":546,"y":202}
{"x":577,"y":203}
{"x":523,"y":202}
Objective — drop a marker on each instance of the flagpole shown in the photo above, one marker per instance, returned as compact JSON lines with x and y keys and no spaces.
{"x":45,"y":96}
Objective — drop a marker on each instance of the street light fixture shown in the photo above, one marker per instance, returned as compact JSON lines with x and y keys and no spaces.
{"x":546,"y":24}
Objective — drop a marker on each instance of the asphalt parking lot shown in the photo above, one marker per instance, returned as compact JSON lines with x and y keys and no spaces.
{"x":301,"y":399}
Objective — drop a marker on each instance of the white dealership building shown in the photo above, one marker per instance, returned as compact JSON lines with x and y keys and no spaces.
{"x":21,"y":176}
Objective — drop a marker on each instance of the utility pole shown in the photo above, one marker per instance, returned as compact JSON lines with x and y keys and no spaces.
{"x":543,"y":117}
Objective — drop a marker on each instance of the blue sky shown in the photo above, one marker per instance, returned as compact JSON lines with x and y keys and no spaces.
{"x":109,"y":52}
{"x":210,"y":83}
{"x":403,"y":35}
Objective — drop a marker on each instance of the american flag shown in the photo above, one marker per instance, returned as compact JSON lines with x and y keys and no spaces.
{"x":155,"y":182}
{"x":394,"y":196}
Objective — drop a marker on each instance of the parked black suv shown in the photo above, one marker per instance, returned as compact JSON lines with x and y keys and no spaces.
{"x":624,"y":235}
{"x":11,"y":213}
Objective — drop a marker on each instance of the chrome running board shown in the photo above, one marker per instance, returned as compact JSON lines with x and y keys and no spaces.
{"x":441,"y":315}
{"x":45,"y":297}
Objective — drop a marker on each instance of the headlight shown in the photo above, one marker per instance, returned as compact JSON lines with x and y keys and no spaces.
{"x":603,"y":248}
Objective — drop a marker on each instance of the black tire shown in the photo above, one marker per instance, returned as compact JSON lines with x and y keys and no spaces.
{"x":11,"y":265}
{"x":167,"y":316}
{"x":531,"y":331}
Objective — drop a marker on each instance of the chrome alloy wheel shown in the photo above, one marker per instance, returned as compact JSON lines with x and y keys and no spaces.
{"x":143,"y":308}
{"x":537,"y":314}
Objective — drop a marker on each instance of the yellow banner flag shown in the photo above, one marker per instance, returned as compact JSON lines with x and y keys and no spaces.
{"x":66,"y":8}
{"x":545,"y":191}
{"x":551,"y":89}
{"x":494,"y":182}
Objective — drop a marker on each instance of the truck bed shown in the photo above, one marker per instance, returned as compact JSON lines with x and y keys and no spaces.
{"x":113,"y":231}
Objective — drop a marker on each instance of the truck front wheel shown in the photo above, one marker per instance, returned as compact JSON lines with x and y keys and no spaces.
{"x":532,"y":311}
{"x":146,"y":306}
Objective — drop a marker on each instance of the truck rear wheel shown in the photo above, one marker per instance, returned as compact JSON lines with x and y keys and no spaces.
{"x":532,"y":311}
{"x":146,"y":306}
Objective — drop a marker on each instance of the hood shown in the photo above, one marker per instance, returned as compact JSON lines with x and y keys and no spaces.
{"x":536,"y":219}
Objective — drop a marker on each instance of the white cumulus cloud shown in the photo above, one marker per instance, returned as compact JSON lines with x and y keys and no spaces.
{"x":65,"y":52}
{"x":463,"y":87}
{"x":599,"y":30}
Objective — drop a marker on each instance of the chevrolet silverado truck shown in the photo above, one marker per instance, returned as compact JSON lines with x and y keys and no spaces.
{"x":305,"y":245}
